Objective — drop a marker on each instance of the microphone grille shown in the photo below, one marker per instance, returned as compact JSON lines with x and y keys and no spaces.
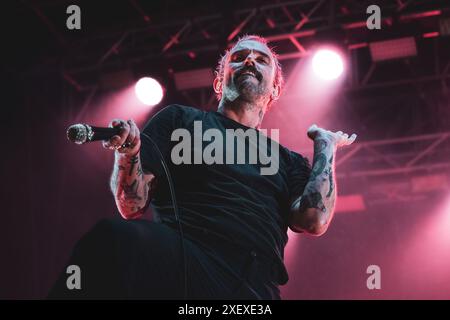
{"x":77,"y":133}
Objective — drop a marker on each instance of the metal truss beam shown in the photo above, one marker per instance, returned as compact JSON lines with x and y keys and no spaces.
{"x":288,"y":21}
{"x":396,"y":156}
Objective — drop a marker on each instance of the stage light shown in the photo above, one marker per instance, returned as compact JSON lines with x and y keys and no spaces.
{"x":327,"y":64}
{"x":149,"y":91}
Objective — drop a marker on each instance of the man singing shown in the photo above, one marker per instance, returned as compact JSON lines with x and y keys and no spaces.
{"x":227,"y":238}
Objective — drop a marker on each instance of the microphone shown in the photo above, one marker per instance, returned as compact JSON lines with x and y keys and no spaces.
{"x":82,"y":133}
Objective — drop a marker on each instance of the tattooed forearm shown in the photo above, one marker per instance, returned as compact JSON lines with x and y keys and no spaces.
{"x":130,"y":186}
{"x":320,"y":163}
{"x":139,"y":170}
{"x":311,"y":200}
{"x":330,"y":177}
{"x":319,"y":192}
{"x":321,"y":181}
{"x":131,"y":191}
{"x":133,"y":161}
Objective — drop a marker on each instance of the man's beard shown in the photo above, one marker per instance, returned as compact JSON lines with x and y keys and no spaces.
{"x":250,"y":91}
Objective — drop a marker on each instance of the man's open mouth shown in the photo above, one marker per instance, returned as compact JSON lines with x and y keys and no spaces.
{"x":248,"y":73}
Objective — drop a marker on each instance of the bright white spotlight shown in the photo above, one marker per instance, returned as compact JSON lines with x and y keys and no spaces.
{"x":327,"y":64}
{"x":149,"y":91}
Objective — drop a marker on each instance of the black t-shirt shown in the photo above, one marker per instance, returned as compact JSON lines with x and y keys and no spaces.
{"x":232,"y":201}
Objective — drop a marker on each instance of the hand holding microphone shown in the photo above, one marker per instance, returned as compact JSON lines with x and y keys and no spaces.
{"x":123,"y":136}
{"x":127,"y":141}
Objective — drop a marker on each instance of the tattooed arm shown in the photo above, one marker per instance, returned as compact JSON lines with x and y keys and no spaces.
{"x":313,"y":210}
{"x":131,"y":187}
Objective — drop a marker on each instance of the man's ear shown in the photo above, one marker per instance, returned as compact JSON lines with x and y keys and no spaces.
{"x":276,"y":93}
{"x":217,"y":85}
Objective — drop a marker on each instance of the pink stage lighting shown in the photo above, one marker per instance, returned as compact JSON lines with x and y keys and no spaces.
{"x":149,"y":91}
{"x":327,"y":64}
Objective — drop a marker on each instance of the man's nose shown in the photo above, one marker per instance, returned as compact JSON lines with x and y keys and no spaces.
{"x":250,"y":60}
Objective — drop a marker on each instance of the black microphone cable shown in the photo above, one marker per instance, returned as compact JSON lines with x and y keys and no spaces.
{"x":175,"y":209}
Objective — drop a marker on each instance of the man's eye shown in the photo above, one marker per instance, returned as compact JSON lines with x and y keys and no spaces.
{"x":237,"y":57}
{"x":263,"y":60}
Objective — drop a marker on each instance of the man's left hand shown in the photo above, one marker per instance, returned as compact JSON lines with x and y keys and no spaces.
{"x":338,"y":138}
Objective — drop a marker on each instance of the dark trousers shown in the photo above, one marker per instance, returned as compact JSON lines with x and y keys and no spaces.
{"x":140,"y":259}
